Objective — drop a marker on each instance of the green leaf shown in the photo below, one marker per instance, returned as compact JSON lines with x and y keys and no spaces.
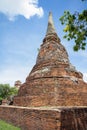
{"x":75,"y":28}
{"x":75,"y":48}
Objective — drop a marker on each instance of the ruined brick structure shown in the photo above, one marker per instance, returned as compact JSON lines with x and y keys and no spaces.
{"x":45,"y":118}
{"x":54,"y":95}
{"x":53,"y":80}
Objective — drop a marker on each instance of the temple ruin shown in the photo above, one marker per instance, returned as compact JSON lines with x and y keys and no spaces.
{"x":53,"y":81}
{"x":54,"y":95}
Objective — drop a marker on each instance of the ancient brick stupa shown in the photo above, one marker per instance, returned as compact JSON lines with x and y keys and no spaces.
{"x":53,"y":80}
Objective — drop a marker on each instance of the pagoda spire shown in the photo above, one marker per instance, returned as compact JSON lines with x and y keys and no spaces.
{"x":50,"y":27}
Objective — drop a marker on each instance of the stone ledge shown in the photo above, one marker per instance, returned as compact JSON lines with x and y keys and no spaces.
{"x":45,"y":107}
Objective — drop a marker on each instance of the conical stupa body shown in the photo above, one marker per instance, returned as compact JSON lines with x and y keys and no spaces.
{"x":53,"y":81}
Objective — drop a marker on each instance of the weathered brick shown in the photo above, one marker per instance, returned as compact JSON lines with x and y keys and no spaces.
{"x":53,"y":81}
{"x":45,"y":118}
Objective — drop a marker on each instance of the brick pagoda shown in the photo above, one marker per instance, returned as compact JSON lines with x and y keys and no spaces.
{"x":54,"y":95}
{"x":53,"y":80}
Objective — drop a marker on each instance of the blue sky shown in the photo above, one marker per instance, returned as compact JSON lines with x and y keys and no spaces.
{"x":23,"y":25}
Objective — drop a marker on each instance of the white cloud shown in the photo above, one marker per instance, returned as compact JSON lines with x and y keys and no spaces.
{"x":85,"y":77}
{"x":11,"y":74}
{"x":26,"y":8}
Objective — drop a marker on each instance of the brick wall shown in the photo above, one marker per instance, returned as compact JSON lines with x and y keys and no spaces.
{"x":45,"y":118}
{"x":52,"y":92}
{"x":31,"y":118}
{"x":74,"y":119}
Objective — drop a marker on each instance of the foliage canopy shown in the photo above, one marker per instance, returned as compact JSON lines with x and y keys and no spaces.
{"x":76,"y":28}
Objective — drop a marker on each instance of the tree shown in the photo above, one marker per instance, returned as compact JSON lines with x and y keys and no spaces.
{"x":6,"y":91}
{"x":75,"y":28}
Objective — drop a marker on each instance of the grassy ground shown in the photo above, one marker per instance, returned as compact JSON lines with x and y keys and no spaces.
{"x":6,"y":126}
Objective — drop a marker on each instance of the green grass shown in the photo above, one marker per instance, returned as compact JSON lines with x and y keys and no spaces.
{"x":6,"y":126}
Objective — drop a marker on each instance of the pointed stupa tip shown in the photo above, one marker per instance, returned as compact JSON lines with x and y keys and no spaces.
{"x":50,"y":27}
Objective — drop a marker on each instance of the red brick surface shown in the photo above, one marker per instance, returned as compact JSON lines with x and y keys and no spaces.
{"x":31,"y":118}
{"x":45,"y":118}
{"x":53,"y":81}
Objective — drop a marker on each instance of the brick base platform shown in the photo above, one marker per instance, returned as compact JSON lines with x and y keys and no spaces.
{"x":45,"y":118}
